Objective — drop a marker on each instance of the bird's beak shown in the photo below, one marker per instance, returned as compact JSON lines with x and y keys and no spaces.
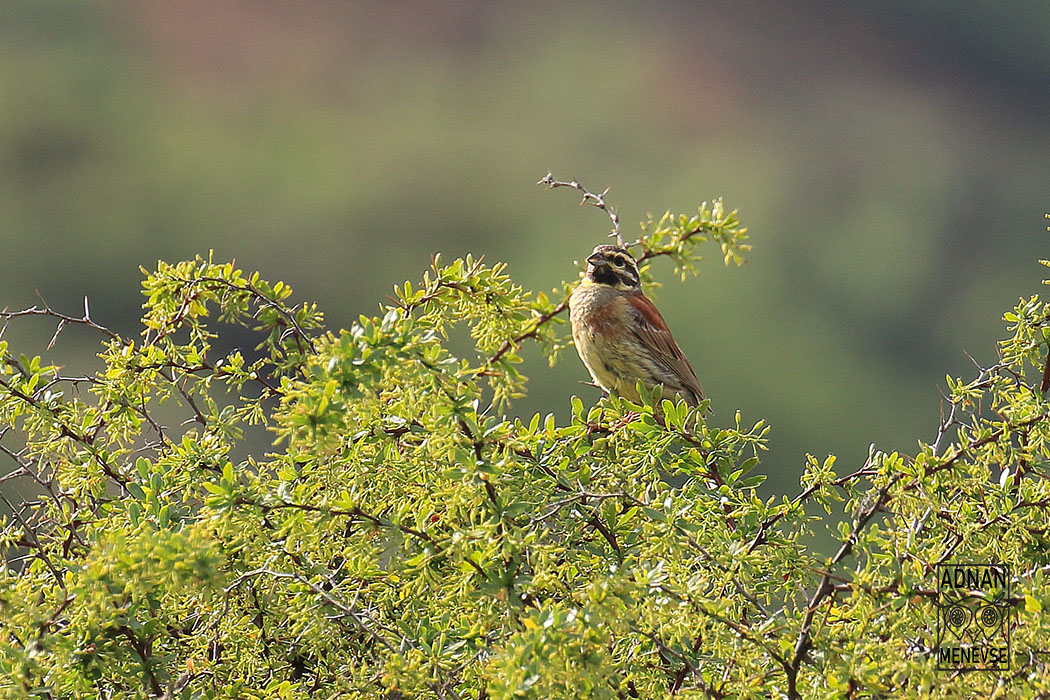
{"x":596,"y":259}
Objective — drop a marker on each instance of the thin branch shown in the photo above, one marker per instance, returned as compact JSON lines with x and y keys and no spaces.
{"x":581,"y":496}
{"x":608,"y":534}
{"x":355,"y":512}
{"x":825,"y":588}
{"x":683,"y":673}
{"x":648,"y":254}
{"x":287,"y":314}
{"x":1045,"y":384}
{"x":594,"y":199}
{"x":30,"y":539}
{"x":347,"y":610}
{"x":515,"y":343}
{"x":46,"y":310}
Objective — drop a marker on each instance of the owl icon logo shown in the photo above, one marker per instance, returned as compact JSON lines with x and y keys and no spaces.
{"x":973,"y":617}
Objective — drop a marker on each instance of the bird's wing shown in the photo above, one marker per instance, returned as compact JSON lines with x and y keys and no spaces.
{"x":653,"y":331}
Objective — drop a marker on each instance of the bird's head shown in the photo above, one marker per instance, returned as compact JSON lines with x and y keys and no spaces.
{"x":613,"y":266}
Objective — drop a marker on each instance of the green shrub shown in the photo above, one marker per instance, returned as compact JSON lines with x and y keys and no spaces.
{"x":404,"y":539}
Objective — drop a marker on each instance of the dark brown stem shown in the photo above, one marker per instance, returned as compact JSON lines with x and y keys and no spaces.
{"x":594,"y":199}
{"x":515,"y":342}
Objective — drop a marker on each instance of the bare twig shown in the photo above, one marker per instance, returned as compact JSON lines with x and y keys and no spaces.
{"x":63,"y":319}
{"x":594,"y":199}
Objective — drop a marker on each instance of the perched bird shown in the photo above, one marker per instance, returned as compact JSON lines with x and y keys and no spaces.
{"x":620,"y":335}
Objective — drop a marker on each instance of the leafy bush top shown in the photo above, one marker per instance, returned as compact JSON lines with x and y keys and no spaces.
{"x":405,"y":539}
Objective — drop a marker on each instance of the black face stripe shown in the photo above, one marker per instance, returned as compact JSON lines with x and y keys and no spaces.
{"x":629,"y":272}
{"x":619,"y":267}
{"x":604,"y":275}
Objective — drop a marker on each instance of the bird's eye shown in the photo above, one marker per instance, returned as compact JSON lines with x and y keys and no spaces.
{"x":617,"y":260}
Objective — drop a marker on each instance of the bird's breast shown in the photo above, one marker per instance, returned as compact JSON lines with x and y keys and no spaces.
{"x":597,"y":307}
{"x":600,"y":321}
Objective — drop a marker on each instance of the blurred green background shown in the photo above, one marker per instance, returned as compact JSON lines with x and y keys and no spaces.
{"x":890,"y":159}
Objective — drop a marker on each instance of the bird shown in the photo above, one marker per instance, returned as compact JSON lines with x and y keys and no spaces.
{"x":621,"y":336}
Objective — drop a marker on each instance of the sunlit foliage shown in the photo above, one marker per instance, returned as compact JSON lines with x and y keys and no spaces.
{"x":403,"y":539}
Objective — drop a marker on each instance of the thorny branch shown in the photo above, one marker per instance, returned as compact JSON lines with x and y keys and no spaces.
{"x":598,"y":201}
{"x":63,"y":320}
{"x":592,"y":198}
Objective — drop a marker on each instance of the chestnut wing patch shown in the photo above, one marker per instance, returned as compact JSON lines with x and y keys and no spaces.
{"x":653,"y":331}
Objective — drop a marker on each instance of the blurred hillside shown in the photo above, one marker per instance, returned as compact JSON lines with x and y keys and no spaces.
{"x":890,"y":161}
